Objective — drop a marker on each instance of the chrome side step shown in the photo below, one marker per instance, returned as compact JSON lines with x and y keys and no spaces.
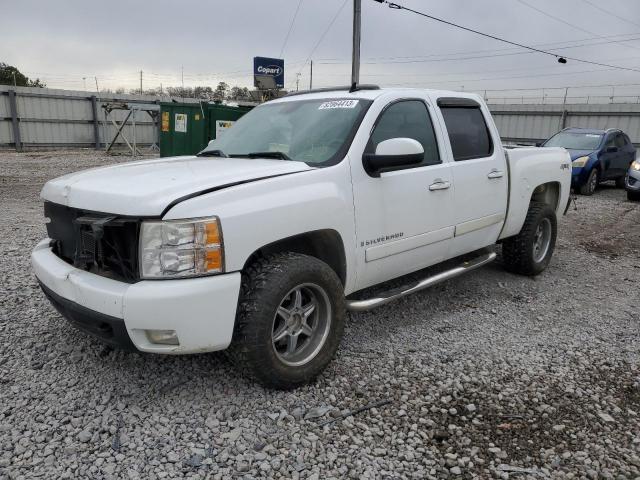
{"x":368,"y":304}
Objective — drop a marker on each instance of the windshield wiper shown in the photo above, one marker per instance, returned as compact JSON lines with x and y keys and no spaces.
{"x":278,"y":155}
{"x":212,"y":153}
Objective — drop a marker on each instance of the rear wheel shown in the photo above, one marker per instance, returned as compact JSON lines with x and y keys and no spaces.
{"x":529,"y":252}
{"x":592,"y":183}
{"x":290,"y":320}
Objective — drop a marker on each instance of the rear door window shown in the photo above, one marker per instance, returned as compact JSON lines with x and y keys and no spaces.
{"x":468,"y":132}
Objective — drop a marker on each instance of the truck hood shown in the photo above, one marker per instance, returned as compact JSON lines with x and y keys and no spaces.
{"x":146,"y":188}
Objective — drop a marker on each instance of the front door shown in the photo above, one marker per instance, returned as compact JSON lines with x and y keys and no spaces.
{"x":479,"y":174}
{"x":403,"y":217}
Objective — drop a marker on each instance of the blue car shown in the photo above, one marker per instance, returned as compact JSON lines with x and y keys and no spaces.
{"x":596,"y":155}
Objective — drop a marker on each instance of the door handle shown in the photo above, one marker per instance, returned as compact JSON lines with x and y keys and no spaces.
{"x":439,"y":185}
{"x":495,"y":174}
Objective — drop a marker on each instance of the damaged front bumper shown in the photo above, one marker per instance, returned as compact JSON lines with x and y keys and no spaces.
{"x":201,"y":311}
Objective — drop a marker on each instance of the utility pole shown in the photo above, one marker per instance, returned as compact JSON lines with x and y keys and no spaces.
{"x":140,"y":82}
{"x":355,"y":59}
{"x":182,"y":70}
{"x":311,"y":77}
{"x":84,"y":81}
{"x":297,"y":80}
{"x":14,"y":79}
{"x":97,"y":89}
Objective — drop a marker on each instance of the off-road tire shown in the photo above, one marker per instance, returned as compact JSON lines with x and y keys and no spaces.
{"x":633,"y":196}
{"x":264,"y":285}
{"x":518,"y":251}
{"x":590,"y":186}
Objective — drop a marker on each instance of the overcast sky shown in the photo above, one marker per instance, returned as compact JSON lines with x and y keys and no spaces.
{"x":64,"y":41}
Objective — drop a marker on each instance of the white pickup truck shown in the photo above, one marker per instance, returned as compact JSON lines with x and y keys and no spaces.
{"x":263,"y":241}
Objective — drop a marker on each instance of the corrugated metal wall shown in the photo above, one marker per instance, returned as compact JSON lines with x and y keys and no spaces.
{"x":533,"y":123}
{"x":57,"y":118}
{"x":50,"y":118}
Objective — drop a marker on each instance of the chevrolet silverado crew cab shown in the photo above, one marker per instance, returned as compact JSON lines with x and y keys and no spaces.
{"x":261,"y":242}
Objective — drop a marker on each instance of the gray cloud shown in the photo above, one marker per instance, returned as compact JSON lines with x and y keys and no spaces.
{"x":215,"y":40}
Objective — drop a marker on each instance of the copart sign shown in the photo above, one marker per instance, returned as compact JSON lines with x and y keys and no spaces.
{"x":273,"y":67}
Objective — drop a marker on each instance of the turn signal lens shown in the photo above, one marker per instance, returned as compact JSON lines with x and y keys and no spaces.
{"x":181,"y":248}
{"x":212,"y":232}
{"x":213,"y":260}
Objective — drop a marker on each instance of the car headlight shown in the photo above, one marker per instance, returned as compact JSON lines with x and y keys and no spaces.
{"x":181,"y":248}
{"x":635,"y":165}
{"x":580,"y":161}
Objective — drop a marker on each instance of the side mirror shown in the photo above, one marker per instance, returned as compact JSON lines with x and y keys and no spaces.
{"x":539,"y":144}
{"x":611,"y":149}
{"x":394,"y":153}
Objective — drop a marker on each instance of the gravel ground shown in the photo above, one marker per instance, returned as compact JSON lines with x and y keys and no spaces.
{"x":488,"y":376}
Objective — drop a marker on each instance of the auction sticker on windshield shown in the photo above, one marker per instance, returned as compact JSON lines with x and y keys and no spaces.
{"x":338,"y":104}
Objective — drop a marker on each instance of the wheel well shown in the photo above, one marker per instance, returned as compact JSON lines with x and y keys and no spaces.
{"x":325,"y":245}
{"x":548,"y":193}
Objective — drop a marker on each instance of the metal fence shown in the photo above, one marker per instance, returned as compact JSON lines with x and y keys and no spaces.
{"x":530,"y":124}
{"x":45,"y":118}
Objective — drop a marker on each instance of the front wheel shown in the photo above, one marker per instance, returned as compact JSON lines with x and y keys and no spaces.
{"x":290,"y":320}
{"x":633,"y":196}
{"x":529,"y":252}
{"x":592,"y":183}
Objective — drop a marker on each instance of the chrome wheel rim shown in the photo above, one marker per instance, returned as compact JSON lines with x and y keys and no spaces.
{"x":301,"y":324}
{"x":542,"y":240}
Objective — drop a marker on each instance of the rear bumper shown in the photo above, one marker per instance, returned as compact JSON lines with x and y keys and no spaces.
{"x":200,"y":310}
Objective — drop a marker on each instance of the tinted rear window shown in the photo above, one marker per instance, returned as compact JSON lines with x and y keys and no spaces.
{"x":468,"y":132}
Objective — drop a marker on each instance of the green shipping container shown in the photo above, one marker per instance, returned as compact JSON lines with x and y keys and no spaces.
{"x":186,"y":128}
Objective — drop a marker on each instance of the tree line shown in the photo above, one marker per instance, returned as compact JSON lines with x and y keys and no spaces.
{"x":10,"y":75}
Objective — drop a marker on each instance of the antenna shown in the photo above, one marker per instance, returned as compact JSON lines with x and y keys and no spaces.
{"x":355,"y":57}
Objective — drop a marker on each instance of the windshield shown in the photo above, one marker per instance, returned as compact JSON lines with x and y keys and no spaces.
{"x":310,"y":131}
{"x":575,"y":141}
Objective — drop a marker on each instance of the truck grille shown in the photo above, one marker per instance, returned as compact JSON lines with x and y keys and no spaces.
{"x":104,"y":244}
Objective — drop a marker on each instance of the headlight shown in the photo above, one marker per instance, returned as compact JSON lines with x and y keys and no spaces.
{"x":181,"y":248}
{"x":580,"y":162}
{"x":635,"y":165}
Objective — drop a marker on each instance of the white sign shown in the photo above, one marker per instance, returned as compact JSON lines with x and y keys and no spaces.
{"x":222,"y":125}
{"x":180,"y":124}
{"x":338,"y":104}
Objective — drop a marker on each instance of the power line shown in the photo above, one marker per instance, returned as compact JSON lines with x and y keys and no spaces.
{"x":558,"y":19}
{"x":561,"y":59}
{"x":324,"y":34}
{"x":610,"y":13}
{"x":293,"y":20}
{"x":551,"y":46}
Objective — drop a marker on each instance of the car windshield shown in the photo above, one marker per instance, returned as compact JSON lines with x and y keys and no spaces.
{"x":310,"y":131}
{"x":575,"y":141}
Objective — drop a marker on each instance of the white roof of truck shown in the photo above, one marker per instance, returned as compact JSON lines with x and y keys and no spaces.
{"x":372,"y":94}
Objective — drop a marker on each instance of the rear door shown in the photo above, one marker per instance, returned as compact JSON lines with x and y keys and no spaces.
{"x":480,"y":173}
{"x":404,"y":218}
{"x":609,"y":157}
{"x":626,"y":155}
